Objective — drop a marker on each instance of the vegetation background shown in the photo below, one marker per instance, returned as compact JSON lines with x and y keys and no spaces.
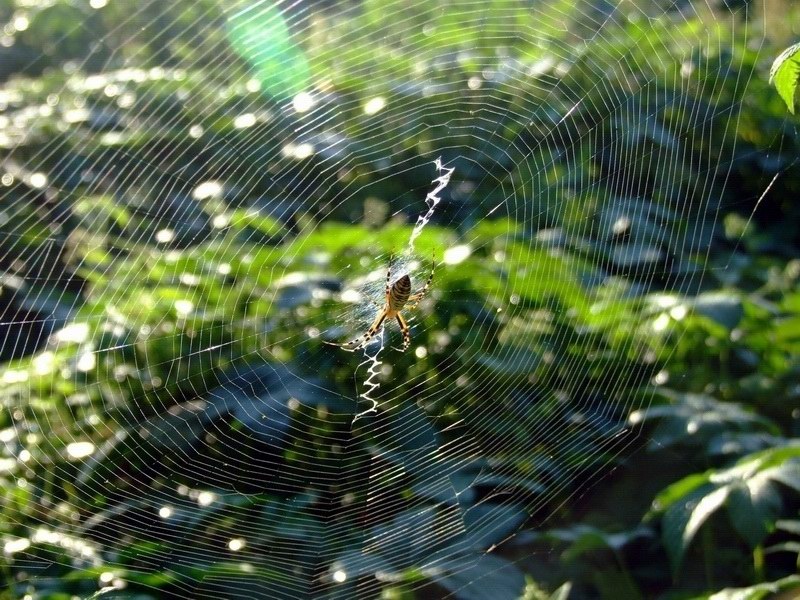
{"x":172,"y":425}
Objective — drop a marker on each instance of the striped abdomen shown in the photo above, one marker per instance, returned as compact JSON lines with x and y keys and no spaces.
{"x":398,"y":295}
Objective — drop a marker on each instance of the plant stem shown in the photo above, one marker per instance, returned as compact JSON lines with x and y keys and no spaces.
{"x":708,"y":554}
{"x":758,"y":563}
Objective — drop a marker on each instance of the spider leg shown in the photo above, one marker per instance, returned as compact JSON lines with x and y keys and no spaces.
{"x":415,"y":299}
{"x":406,"y":333}
{"x":362,"y":340}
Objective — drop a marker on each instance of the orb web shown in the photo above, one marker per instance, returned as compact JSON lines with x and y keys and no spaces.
{"x":199,"y":199}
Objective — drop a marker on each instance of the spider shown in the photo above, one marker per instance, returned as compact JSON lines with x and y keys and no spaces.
{"x":397,"y":296}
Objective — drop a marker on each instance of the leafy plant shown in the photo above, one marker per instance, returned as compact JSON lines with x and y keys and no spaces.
{"x":752,"y":492}
{"x":783,"y":588}
{"x":785,"y":73}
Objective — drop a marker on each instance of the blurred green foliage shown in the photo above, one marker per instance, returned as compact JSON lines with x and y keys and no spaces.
{"x":784,"y":74}
{"x":191,"y":364}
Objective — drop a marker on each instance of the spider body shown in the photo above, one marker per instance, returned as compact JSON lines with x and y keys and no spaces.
{"x":398,"y":295}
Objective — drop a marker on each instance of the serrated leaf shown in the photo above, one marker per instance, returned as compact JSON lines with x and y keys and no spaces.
{"x":784,"y":74}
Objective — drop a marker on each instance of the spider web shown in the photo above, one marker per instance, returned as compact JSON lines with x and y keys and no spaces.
{"x":198,"y":199}
{"x":372,"y":347}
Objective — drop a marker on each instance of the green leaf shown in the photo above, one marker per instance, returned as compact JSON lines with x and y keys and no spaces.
{"x":678,"y":490}
{"x":792,"y":547}
{"x":749,"y":522}
{"x":788,"y":474}
{"x":722,"y":307}
{"x":784,"y":74}
{"x":683,"y":520}
{"x":760,"y":591}
{"x":634,"y":254}
{"x":470,"y":579}
{"x":748,"y":489}
{"x":490,"y":524}
{"x":613,"y":582}
{"x":697,"y":419}
{"x":792,"y":526}
{"x":562,"y":593}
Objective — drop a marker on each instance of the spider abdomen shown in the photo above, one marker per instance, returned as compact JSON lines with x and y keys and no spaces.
{"x":399,"y":294}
